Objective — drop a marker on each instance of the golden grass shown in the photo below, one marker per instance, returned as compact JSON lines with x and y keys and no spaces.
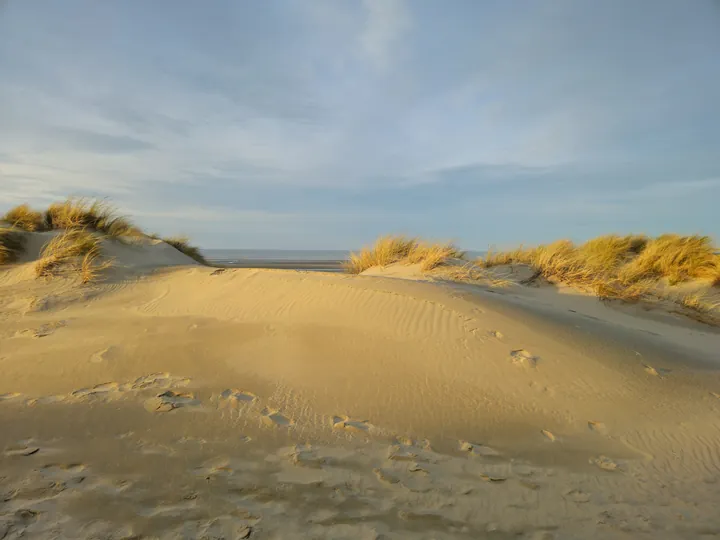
{"x":677,"y":258}
{"x":619,"y":267}
{"x":12,"y":244}
{"x":25,"y":218}
{"x":182,"y":244}
{"x":94,"y":215}
{"x":400,"y":249}
{"x":91,"y":266}
{"x":73,"y":249}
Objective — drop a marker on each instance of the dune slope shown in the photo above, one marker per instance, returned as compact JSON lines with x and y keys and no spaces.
{"x":202,"y":403}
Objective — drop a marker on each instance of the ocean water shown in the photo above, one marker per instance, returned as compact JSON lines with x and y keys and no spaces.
{"x":229,"y":256}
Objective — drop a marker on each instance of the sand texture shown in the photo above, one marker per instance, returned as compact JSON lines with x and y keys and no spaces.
{"x":187,"y":402}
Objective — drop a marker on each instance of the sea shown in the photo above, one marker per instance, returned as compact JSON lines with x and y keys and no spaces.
{"x":328,"y":260}
{"x":231,"y":256}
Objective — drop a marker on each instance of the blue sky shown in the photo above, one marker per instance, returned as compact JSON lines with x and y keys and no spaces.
{"x":324,"y":123}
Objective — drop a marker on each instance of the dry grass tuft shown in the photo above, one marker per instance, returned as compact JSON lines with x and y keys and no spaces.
{"x":619,"y":267}
{"x":91,"y":266}
{"x":25,"y":218}
{"x":12,"y":244}
{"x":181,"y":243}
{"x":73,"y":249}
{"x":393,"y":249}
{"x":677,"y":258}
{"x":73,"y":213}
{"x":93,"y":215}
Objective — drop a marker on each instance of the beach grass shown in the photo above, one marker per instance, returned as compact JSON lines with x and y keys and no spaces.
{"x":400,"y":249}
{"x":73,"y":213}
{"x":182,"y":244}
{"x":76,"y":249}
{"x":12,"y":244}
{"x":25,"y":218}
{"x":619,"y":265}
{"x":94,"y":215}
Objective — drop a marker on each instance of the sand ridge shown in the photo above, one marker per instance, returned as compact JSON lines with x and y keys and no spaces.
{"x":294,"y":405}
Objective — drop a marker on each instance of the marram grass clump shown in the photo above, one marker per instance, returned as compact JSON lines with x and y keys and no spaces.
{"x":400,"y":249}
{"x":72,"y":250}
{"x":73,"y":213}
{"x":629,"y":259}
{"x":182,"y":244}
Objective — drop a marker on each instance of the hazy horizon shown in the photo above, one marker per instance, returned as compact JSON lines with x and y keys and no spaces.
{"x":298,"y":124}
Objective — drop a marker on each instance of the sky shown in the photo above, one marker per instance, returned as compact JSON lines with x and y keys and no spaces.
{"x":321,"y":124}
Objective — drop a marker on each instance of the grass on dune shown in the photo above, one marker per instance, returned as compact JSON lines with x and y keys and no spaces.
{"x":182,"y":244}
{"x":72,"y":250}
{"x":94,"y":215}
{"x":624,"y":267}
{"x":73,"y":213}
{"x":400,"y":249}
{"x":25,"y":218}
{"x":12,"y":244}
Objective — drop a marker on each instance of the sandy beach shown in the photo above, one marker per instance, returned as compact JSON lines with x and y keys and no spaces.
{"x":175,"y":400}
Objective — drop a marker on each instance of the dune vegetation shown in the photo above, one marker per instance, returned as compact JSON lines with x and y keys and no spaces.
{"x":73,"y":213}
{"x":182,"y":244}
{"x":11,"y":245}
{"x":621,"y":260}
{"x":400,"y":249}
{"x":73,"y":249}
{"x":82,"y":224}
{"x":628,"y":268}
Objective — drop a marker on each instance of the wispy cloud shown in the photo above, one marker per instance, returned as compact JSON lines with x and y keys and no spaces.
{"x":412,"y":113}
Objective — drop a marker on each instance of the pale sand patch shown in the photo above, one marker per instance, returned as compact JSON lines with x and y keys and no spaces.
{"x":189,"y":404}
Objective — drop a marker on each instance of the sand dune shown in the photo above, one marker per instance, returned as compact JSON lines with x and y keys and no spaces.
{"x":188,"y":402}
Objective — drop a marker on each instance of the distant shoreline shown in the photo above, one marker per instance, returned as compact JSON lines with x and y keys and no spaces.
{"x":300,"y":264}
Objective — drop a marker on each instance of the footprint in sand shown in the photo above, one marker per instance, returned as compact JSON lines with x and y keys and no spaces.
{"x":46,"y":400}
{"x":47,"y":329}
{"x":305,"y":456}
{"x":154,"y":380}
{"x":9,"y":396}
{"x":234,"y":397}
{"x":401,"y":453}
{"x":496,"y":334}
{"x":273,"y":418}
{"x":215,"y":467}
{"x":107,"y":354}
{"x":103,"y":388}
{"x":21,"y":451}
{"x":523,"y":357}
{"x":577,"y":496}
{"x":605,"y":463}
{"x":656,"y":372}
{"x":346,"y":424}
{"x":598,"y":427}
{"x":548,"y":435}
{"x":492,"y":478}
{"x":171,"y":400}
{"x":386,"y":477}
{"x":478,"y":449}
